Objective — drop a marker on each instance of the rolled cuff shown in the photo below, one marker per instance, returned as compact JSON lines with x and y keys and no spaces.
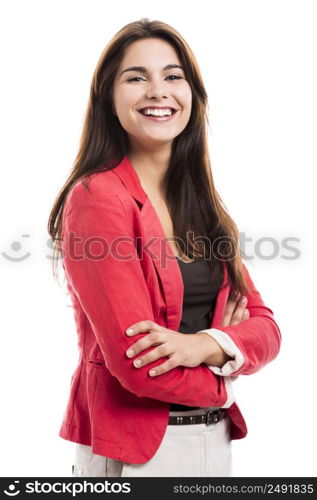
{"x":231,"y":349}
{"x":231,"y":398}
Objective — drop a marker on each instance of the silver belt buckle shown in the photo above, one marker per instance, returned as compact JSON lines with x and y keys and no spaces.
{"x":212,"y":417}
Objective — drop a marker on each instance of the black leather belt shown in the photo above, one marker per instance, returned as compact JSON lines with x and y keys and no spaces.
{"x":211,"y":417}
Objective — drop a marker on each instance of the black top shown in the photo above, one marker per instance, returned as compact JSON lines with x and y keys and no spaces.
{"x":201,"y":286}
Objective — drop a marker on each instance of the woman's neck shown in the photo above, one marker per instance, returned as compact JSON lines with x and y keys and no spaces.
{"x":151,"y":170}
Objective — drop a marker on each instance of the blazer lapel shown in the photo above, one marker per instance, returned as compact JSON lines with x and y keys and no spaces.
{"x":165,"y":263}
{"x":130,"y":179}
{"x":160,"y":250}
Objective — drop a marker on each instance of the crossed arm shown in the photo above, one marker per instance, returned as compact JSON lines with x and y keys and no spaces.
{"x":186,"y":350}
{"x":113,"y":294}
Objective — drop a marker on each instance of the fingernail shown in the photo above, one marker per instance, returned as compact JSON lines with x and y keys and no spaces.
{"x":244,"y":299}
{"x":246,"y":312}
{"x":129,"y":330}
{"x":130,"y":352}
{"x":138,"y":362}
{"x":152,"y":373}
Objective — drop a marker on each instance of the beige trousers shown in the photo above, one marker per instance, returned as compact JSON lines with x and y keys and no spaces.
{"x":194,"y":450}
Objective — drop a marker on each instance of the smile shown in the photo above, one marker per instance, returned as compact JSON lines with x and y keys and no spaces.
{"x":154,"y":118}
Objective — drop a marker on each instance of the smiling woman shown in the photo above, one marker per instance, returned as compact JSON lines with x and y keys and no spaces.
{"x":136,"y":85}
{"x":147,"y":244}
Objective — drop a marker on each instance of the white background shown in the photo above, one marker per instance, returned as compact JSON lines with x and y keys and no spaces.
{"x":258,"y":61}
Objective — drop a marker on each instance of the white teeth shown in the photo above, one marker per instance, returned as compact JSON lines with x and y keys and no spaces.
{"x":157,"y":112}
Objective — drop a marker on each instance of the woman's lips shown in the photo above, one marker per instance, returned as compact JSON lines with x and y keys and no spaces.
{"x":166,"y":118}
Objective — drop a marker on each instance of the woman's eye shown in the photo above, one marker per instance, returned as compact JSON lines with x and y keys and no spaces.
{"x":175,"y":76}
{"x":133,"y":79}
{"x":140,"y":78}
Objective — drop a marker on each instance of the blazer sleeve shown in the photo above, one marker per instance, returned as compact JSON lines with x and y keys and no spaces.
{"x":253,"y":343}
{"x":113,"y":294}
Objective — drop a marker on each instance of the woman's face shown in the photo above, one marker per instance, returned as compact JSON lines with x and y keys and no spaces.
{"x":150,"y":85}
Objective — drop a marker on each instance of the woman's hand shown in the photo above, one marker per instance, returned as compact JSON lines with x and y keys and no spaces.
{"x":234,"y":314}
{"x":181,"y":349}
{"x":235,"y":311}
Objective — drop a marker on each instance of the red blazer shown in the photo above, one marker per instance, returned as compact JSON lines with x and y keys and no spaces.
{"x":116,"y":408}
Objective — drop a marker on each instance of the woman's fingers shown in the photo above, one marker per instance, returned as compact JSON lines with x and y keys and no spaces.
{"x":235,"y":311}
{"x":143,"y":326}
{"x":149,"y":357}
{"x":162,"y":350}
{"x":240,"y":313}
{"x":164,"y":367}
{"x":230,"y":307}
{"x":152,"y":339}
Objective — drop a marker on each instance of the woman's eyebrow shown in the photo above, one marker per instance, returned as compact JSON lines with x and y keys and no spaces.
{"x":142,"y":69}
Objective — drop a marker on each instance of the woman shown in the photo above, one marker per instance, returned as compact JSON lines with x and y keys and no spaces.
{"x":147,"y":244}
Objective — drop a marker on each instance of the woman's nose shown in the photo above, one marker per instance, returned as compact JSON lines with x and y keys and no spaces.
{"x":156,"y":89}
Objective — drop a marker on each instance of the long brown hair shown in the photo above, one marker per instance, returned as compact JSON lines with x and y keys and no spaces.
{"x":194,"y":204}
